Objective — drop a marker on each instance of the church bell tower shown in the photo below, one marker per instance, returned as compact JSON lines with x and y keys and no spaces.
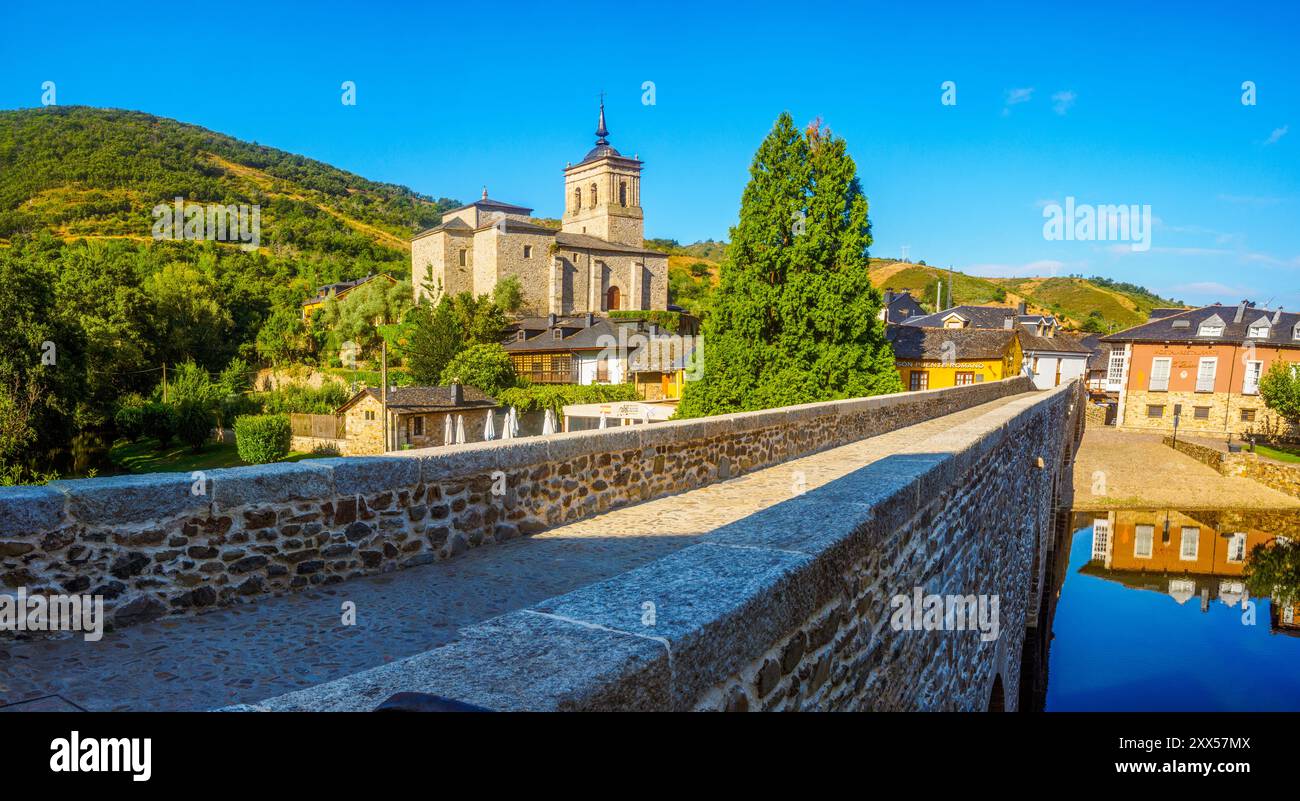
{"x":603,"y":193}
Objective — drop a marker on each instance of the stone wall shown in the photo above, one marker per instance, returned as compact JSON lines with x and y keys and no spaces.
{"x":789,"y":608}
{"x":1278,"y":475}
{"x":173,"y":543}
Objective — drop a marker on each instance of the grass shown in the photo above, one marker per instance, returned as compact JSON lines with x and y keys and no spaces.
{"x":1280,"y":454}
{"x":145,"y":457}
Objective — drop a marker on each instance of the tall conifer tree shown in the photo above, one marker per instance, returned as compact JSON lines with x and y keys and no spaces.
{"x":795,"y":318}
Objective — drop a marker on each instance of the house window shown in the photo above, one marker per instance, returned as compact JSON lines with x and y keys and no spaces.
{"x":622,"y":193}
{"x":528,"y":251}
{"x":612,"y":299}
{"x":370,"y":415}
{"x":1295,"y":332}
{"x":1201,"y":412}
{"x":1142,"y":539}
{"x":1247,"y":415}
{"x":463,"y":256}
{"x":417,"y":426}
{"x":1191,"y":544}
{"x":1100,"y":538}
{"x":1210,"y":330}
{"x":1205,"y":374}
{"x":918,"y":380}
{"x":1160,"y":374}
{"x":1258,"y":331}
{"x":1237,"y":547}
{"x":602,"y":371}
{"x":1154,"y":410}
{"x":1115,"y":370}
{"x":1250,"y":383}
{"x":964,"y":378}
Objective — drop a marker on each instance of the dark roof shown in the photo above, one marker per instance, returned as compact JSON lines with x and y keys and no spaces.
{"x":492,"y":205}
{"x":1156,"y":314}
{"x":979,"y":316}
{"x":928,"y":344}
{"x":1183,"y":326}
{"x":586,"y":242}
{"x":420,"y":398}
{"x":575,"y":334}
{"x":899,"y":306}
{"x":338,"y":288}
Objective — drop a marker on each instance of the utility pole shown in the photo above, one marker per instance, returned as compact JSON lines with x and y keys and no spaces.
{"x":164,"y":382}
{"x":383,"y":388}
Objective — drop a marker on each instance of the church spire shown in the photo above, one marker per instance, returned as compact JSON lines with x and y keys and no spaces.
{"x":601,"y":133}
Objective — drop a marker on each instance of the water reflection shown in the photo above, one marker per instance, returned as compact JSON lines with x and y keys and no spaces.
{"x":1178,"y":610}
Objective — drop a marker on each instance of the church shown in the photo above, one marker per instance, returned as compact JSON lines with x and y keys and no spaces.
{"x":594,"y":263}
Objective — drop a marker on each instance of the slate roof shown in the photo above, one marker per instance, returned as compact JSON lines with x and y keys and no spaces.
{"x":979,"y":316}
{"x":901,"y":306}
{"x":914,"y":343}
{"x":426,"y":398}
{"x":575,"y":335}
{"x":338,"y":288}
{"x":584,"y":241}
{"x":1183,"y":326}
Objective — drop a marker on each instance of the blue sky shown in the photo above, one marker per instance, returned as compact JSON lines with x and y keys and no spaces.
{"x":1108,"y":103}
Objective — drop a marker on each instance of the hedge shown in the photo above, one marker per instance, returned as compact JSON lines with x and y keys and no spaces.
{"x":262,"y":438}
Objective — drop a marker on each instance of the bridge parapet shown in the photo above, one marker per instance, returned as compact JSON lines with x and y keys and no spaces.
{"x":169,"y":544}
{"x":792,"y":607}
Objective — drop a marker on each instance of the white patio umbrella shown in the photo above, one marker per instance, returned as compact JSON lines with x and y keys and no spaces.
{"x":604,"y":420}
{"x":460,"y":429}
{"x":548,"y":423}
{"x":514,"y":422}
{"x":448,"y":434}
{"x":506,"y":433}
{"x":489,"y":428}
{"x":645,"y":415}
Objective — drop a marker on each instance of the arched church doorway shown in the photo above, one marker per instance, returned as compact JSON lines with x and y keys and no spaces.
{"x":612,"y":299}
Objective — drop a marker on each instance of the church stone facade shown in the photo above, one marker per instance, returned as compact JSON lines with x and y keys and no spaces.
{"x":595,"y":263}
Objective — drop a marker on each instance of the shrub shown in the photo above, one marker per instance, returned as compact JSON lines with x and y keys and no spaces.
{"x":262,"y":438}
{"x":484,"y":367}
{"x":129,"y":417}
{"x":555,"y":396}
{"x":194,"y":424}
{"x":158,"y":420}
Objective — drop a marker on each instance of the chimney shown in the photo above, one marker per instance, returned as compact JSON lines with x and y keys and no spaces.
{"x":1021,"y":308}
{"x":591,"y":319}
{"x":1008,"y":323}
{"x":1277,"y":316}
{"x":550,"y":320}
{"x":654,"y":330}
{"x":457,"y":396}
{"x":1241,"y":311}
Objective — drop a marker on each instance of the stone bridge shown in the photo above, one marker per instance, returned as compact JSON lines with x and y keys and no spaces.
{"x":746,"y":561}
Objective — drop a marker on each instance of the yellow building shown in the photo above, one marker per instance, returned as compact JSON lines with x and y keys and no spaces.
{"x":932,"y":358}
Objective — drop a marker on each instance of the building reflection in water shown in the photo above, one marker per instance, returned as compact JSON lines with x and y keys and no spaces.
{"x":1190,"y":555}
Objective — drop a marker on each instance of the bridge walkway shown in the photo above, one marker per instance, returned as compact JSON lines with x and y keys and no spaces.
{"x":275,"y":645}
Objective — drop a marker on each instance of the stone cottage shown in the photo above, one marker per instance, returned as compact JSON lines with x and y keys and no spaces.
{"x":596,"y":262}
{"x":417,"y":417}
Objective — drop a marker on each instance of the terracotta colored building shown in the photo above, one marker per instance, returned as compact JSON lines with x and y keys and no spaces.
{"x":1203,"y":365}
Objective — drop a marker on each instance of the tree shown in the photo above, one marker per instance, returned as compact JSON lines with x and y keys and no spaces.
{"x":284,"y":338}
{"x":1274,"y":570}
{"x":190,"y":320}
{"x":484,"y":367}
{"x":795,"y":317}
{"x":435,"y":338}
{"x":356,"y":318}
{"x":1280,"y":389}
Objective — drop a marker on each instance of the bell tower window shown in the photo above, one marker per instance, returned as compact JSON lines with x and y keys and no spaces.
{"x":594,"y":201}
{"x":577,"y":199}
{"x":622,"y":193}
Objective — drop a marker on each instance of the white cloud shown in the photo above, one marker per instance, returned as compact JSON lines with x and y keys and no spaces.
{"x":1277,"y":134}
{"x":1062,"y":101}
{"x":1015,"y":97}
{"x":1211,"y":288}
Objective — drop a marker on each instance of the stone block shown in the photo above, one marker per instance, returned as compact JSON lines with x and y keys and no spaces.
{"x":123,"y":500}
{"x":717,"y":607}
{"x":234,"y":487}
{"x":367,"y":475}
{"x":30,"y":511}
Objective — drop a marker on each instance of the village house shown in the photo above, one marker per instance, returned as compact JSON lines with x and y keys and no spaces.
{"x":338,"y":291}
{"x":932,"y":358}
{"x":1051,"y":356}
{"x":595,"y":262}
{"x":1203,"y":365}
{"x":416,"y":417}
{"x":899,"y":306}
